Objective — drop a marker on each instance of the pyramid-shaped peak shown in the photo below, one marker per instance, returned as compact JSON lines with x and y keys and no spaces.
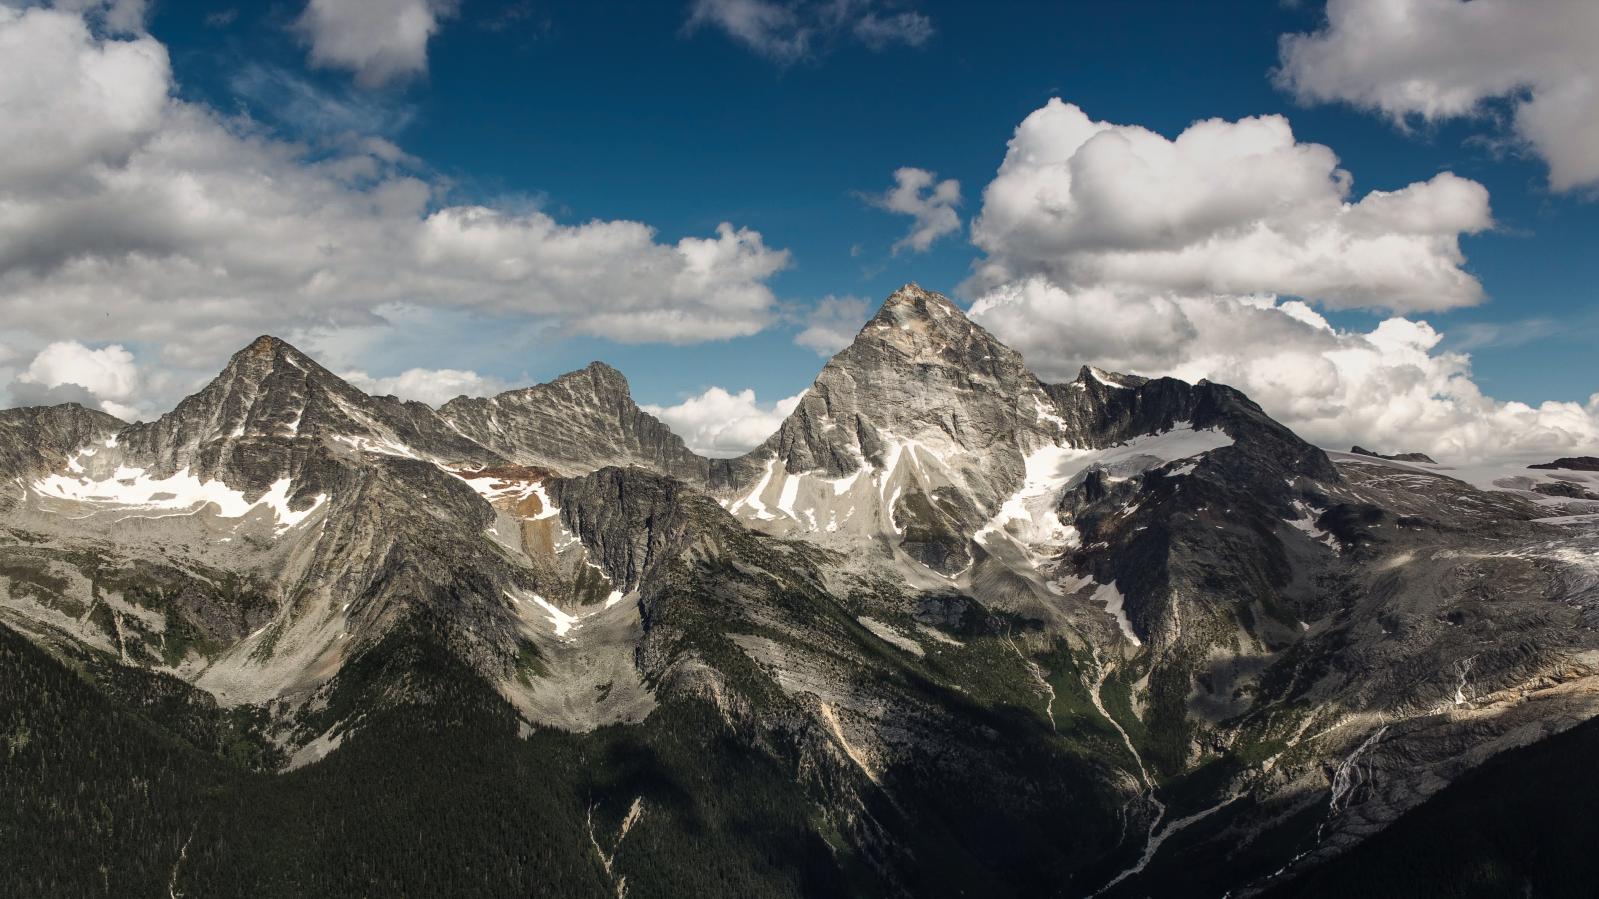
{"x":912,"y":302}
{"x":592,"y":379}
{"x":924,"y":324}
{"x":601,"y":373}
{"x":269,"y":347}
{"x":267,"y":343}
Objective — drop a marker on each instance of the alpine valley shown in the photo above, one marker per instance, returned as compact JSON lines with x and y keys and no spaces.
{"x":950,"y":631}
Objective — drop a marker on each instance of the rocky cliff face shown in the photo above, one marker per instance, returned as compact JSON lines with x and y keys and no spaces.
{"x":39,"y":439}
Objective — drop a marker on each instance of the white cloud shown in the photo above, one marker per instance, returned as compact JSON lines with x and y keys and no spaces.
{"x":68,"y":371}
{"x":931,"y":203}
{"x":1442,"y":59}
{"x":379,"y":40}
{"x":1113,"y":246}
{"x":69,"y":101}
{"x":833,"y":323}
{"x":1227,"y":207}
{"x":789,"y":32}
{"x":878,"y":31}
{"x":434,"y":386}
{"x":721,"y":424}
{"x":129,"y":215}
{"x":308,"y":110}
{"x":1389,"y":387}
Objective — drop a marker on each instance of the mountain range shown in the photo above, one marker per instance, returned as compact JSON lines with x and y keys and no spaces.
{"x":950,"y":631}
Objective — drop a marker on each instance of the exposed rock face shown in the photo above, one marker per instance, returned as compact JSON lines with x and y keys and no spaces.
{"x":273,"y":413}
{"x":577,"y":423}
{"x":633,"y":520}
{"x":1565,"y":490}
{"x":38,"y":439}
{"x":1572,"y":463}
{"x":919,"y":370}
{"x":1397,"y":457}
{"x":922,"y":386}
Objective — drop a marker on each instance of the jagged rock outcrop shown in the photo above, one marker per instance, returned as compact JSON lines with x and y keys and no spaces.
{"x":1571,"y":463}
{"x":1397,"y":457}
{"x":274,"y":413}
{"x":38,"y":439}
{"x":579,"y":422}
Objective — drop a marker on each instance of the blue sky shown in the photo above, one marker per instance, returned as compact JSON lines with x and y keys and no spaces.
{"x":627,"y":111}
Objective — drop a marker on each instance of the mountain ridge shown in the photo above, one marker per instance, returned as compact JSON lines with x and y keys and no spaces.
{"x":961,"y":617}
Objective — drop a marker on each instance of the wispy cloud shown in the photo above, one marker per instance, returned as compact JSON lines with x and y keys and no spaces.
{"x":789,"y":32}
{"x":307,"y":110}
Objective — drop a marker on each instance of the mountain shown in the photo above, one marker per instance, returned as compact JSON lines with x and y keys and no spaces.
{"x":951,"y":630}
{"x":1572,"y":463}
{"x":1397,"y":457}
{"x":577,"y":423}
{"x":38,"y":440}
{"x":268,"y":416}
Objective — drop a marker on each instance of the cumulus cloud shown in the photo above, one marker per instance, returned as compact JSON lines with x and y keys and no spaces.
{"x":721,"y":424}
{"x":68,"y":371}
{"x":789,"y":32}
{"x":69,"y":101}
{"x":931,"y":203}
{"x":1440,"y":59}
{"x":379,"y":40}
{"x":833,"y":323}
{"x":434,"y":386}
{"x":1114,"y":246}
{"x":129,"y":215}
{"x":1225,"y":207}
{"x":1391,"y":386}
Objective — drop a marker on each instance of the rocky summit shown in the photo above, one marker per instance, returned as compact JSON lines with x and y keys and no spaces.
{"x":950,"y":631}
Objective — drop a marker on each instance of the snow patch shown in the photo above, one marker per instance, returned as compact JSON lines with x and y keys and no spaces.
{"x":753,"y":500}
{"x":561,"y":622}
{"x":1116,"y":605}
{"x":182,"y":492}
{"x":785,"y":500}
{"x":381,"y":447}
{"x":1029,"y":518}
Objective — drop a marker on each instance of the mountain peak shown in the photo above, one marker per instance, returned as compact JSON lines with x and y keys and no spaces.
{"x":924,"y":327}
{"x":600,"y":373}
{"x":266,"y":343}
{"x":1090,"y":374}
{"x":578,"y":422}
{"x":912,"y":302}
{"x":267,"y":347}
